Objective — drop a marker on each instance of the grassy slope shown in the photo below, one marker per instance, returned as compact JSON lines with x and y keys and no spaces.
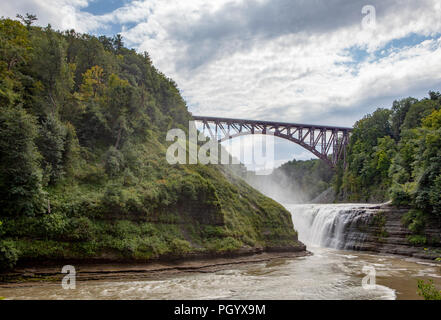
{"x":110,"y":219}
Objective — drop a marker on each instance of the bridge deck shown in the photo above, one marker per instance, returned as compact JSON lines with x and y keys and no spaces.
{"x":328,"y":143}
{"x":270,"y":123}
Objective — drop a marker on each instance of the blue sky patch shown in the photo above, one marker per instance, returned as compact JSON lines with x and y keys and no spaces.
{"x":359,"y":55}
{"x":100,"y":7}
{"x":398,"y":44}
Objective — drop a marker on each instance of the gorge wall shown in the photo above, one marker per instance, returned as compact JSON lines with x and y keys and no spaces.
{"x":376,"y":228}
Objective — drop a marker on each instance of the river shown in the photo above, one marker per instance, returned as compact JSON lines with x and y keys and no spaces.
{"x":329,"y":273}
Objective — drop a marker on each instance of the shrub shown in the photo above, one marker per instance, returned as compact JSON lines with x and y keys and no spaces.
{"x":21,"y":227}
{"x":114,"y":161}
{"x":399,"y":196}
{"x":379,"y":221}
{"x":180,"y":246}
{"x":210,"y":231}
{"x":42,"y":249}
{"x":88,"y":249}
{"x":8,"y":254}
{"x":428,"y":290}
{"x":91,"y":174}
{"x":417,"y":240}
{"x":124,"y":228}
{"x":152,"y":247}
{"x":115,"y":199}
{"x":228,"y":244}
{"x":54,"y":225}
{"x":415,"y":221}
{"x":80,"y":229}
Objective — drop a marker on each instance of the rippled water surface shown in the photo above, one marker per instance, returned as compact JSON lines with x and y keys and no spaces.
{"x":327,"y":274}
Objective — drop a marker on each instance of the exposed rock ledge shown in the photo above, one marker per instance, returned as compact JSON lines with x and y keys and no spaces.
{"x":138,"y":271}
{"x":383,"y":231}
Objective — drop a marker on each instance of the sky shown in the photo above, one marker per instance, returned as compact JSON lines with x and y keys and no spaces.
{"x":311,"y":61}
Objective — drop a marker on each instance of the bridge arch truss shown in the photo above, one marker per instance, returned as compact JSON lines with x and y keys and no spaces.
{"x":328,"y":143}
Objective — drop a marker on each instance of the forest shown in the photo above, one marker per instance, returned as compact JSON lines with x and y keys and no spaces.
{"x":83,"y":171}
{"x":395,"y":154}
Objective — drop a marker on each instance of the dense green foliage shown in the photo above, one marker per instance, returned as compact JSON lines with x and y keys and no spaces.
{"x":396,"y":154}
{"x":83,"y":171}
{"x":370,"y":153}
{"x":428,"y":290}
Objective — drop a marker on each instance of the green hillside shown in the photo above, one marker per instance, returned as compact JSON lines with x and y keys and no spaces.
{"x":83,"y":171}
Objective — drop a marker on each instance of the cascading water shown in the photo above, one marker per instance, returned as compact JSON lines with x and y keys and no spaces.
{"x":335,"y":226}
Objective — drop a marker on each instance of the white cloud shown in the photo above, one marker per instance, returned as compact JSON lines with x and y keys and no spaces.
{"x":233,"y":58}
{"x":61,"y":14}
{"x":297,"y":76}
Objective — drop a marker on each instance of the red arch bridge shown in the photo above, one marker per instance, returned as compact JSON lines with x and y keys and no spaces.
{"x":328,"y":143}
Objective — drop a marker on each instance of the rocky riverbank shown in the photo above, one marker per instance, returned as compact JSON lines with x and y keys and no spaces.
{"x":381,"y":229}
{"x":138,"y":271}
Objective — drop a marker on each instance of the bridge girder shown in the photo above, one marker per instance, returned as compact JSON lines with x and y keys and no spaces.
{"x":328,"y":143}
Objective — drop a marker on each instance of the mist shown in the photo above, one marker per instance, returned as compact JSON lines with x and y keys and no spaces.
{"x":278,"y":186}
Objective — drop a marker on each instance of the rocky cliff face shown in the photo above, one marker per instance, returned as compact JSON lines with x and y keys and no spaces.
{"x":381,"y":230}
{"x":365,"y":227}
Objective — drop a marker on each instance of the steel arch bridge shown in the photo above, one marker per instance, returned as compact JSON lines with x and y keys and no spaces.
{"x":328,"y":143}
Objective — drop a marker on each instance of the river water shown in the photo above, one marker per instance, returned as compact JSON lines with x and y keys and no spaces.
{"x":329,"y":273}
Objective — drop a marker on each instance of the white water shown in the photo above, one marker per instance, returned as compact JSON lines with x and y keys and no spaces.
{"x":325,"y":225}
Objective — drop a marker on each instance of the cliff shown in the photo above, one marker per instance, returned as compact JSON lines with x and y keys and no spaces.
{"x":381,"y":229}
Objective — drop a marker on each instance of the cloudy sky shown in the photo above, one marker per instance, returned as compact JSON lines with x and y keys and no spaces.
{"x":311,"y":61}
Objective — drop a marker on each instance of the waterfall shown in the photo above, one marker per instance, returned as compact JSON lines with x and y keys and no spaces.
{"x":340,"y":226}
